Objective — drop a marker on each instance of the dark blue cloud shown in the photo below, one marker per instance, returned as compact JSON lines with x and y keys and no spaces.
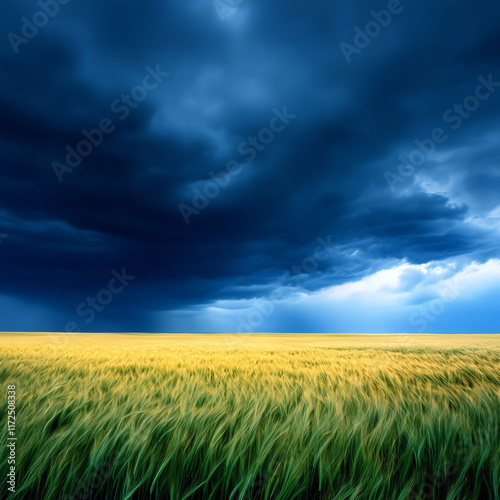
{"x":322,"y":175}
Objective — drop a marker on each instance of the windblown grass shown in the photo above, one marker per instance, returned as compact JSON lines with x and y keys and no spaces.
{"x":262,"y":417}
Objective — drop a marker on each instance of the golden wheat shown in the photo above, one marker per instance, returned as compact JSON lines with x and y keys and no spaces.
{"x":253,"y":417}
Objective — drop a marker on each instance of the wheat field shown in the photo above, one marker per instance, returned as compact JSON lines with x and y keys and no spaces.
{"x":282,"y":417}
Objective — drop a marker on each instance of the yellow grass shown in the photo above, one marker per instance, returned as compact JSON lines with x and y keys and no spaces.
{"x":254,"y":416}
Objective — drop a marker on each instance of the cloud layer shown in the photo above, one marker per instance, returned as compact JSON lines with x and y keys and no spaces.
{"x":258,"y":131}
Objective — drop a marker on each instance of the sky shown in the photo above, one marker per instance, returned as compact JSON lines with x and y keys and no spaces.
{"x":250,"y":166}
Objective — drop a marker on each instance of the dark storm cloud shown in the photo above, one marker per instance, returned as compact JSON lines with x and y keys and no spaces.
{"x":322,"y":175}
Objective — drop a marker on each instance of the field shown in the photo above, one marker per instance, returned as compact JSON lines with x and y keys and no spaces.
{"x":252,"y":417}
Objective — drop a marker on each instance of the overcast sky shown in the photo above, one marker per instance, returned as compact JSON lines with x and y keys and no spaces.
{"x":250,"y":165}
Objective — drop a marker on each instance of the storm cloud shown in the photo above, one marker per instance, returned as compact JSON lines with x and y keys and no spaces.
{"x":204,"y":149}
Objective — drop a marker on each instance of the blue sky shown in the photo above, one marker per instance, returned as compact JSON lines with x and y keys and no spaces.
{"x":250,"y":166}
